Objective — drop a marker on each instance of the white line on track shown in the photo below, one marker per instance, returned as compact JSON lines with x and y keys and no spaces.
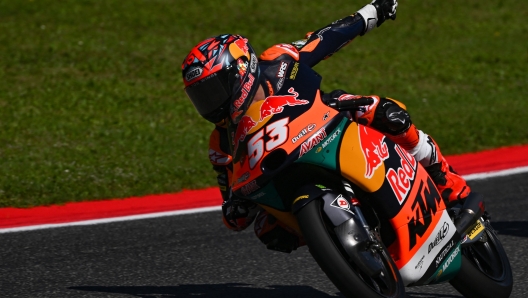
{"x":477,"y":176}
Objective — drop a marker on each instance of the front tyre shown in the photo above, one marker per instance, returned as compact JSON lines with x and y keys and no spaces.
{"x":485,"y":270}
{"x":331,"y":257}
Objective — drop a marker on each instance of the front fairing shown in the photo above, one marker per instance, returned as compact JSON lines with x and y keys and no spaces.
{"x":276,"y":131}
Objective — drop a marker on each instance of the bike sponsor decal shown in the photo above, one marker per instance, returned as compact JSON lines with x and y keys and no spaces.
{"x":439,"y":237}
{"x":258,"y":195}
{"x":444,"y":253}
{"x":401,"y":178}
{"x":326,"y":115}
{"x":330,"y":139}
{"x":294,"y":71}
{"x":249,"y":188}
{"x":303,"y":132}
{"x":246,"y":88}
{"x":300,"y":198}
{"x":420,"y":263}
{"x":451,"y":258}
{"x":477,"y":228}
{"x":193,"y":73}
{"x":312,"y":141}
{"x":243,"y":177}
{"x":275,"y":104}
{"x":424,"y":206}
{"x":374,"y":149}
{"x":341,"y":203}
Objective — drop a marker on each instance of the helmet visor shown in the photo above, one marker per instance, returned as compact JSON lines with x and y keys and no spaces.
{"x":212,"y":92}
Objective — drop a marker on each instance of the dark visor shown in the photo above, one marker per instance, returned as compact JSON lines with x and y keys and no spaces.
{"x":212,"y":92}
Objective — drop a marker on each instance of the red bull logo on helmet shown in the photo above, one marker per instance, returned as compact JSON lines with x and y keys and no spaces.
{"x":374,"y":149}
{"x":246,"y":88}
{"x":275,"y":104}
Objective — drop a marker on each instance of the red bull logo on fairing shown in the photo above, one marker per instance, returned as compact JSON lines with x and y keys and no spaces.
{"x":374,"y":149}
{"x":275,"y":104}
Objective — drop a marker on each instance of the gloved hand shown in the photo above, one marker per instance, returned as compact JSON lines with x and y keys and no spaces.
{"x":239,"y":214}
{"x":375,"y":13}
{"x":386,"y":9}
{"x":343,"y":101}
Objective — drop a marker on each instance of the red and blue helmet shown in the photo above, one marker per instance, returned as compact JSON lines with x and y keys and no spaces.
{"x":221,"y":77}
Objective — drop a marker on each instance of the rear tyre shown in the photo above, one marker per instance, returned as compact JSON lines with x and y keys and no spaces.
{"x":485,"y":271}
{"x":331,"y":257}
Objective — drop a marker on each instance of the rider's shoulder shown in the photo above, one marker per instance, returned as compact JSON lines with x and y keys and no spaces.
{"x":278,"y":50}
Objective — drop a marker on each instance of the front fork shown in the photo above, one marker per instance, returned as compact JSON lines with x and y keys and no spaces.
{"x":358,"y":240}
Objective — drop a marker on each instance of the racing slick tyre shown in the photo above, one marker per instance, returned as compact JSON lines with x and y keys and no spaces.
{"x":485,"y":270}
{"x":333,"y":260}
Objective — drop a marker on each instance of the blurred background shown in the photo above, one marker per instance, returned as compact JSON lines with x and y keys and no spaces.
{"x":92,"y":104}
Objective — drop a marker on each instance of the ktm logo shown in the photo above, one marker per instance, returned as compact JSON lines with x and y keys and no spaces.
{"x":424,"y":207}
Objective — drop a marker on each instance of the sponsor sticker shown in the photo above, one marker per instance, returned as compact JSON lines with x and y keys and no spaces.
{"x":374,"y":149}
{"x":303,"y":132}
{"x":439,"y":237}
{"x":477,"y":228}
{"x":400,"y":179}
{"x":341,"y":203}
{"x":193,"y":73}
{"x":294,"y":71}
{"x":444,"y":252}
{"x":249,"y":188}
{"x":312,"y":141}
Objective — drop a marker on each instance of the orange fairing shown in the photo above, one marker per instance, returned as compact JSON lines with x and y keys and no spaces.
{"x":281,"y":132}
{"x":418,"y":214}
{"x":362,"y":154}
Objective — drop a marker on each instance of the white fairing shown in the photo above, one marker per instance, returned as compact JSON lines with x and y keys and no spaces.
{"x":418,"y":265}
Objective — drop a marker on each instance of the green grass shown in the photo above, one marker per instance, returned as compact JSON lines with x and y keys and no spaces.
{"x":92,"y":104}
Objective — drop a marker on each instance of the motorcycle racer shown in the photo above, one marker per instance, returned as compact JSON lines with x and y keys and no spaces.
{"x":223,"y":76}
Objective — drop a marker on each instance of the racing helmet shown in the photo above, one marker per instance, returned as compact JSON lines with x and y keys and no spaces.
{"x":221,"y":76}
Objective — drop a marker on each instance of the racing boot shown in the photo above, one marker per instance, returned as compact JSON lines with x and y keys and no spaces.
{"x":275,"y":234}
{"x":452,"y":187}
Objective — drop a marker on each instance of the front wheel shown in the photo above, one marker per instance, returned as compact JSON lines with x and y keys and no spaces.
{"x":348,"y":277}
{"x":485,"y":270}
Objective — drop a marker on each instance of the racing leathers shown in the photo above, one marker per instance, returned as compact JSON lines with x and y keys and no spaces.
{"x":386,"y":115}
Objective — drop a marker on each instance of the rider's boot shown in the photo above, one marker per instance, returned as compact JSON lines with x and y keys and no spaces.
{"x":275,"y":234}
{"x":453,"y":188}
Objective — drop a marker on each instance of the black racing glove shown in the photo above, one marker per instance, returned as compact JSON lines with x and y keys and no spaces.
{"x":386,"y":10}
{"x":343,"y":101}
{"x":239,"y":214}
{"x":375,"y":13}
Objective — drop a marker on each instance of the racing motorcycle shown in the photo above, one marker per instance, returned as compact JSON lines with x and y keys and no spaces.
{"x":369,"y":213}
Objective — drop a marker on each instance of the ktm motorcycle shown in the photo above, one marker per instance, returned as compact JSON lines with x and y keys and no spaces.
{"x":370,"y":214}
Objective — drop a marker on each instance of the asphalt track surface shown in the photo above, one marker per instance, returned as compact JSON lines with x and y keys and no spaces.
{"x":194,"y":255}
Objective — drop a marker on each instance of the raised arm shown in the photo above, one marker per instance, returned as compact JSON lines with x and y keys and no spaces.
{"x":324,"y":42}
